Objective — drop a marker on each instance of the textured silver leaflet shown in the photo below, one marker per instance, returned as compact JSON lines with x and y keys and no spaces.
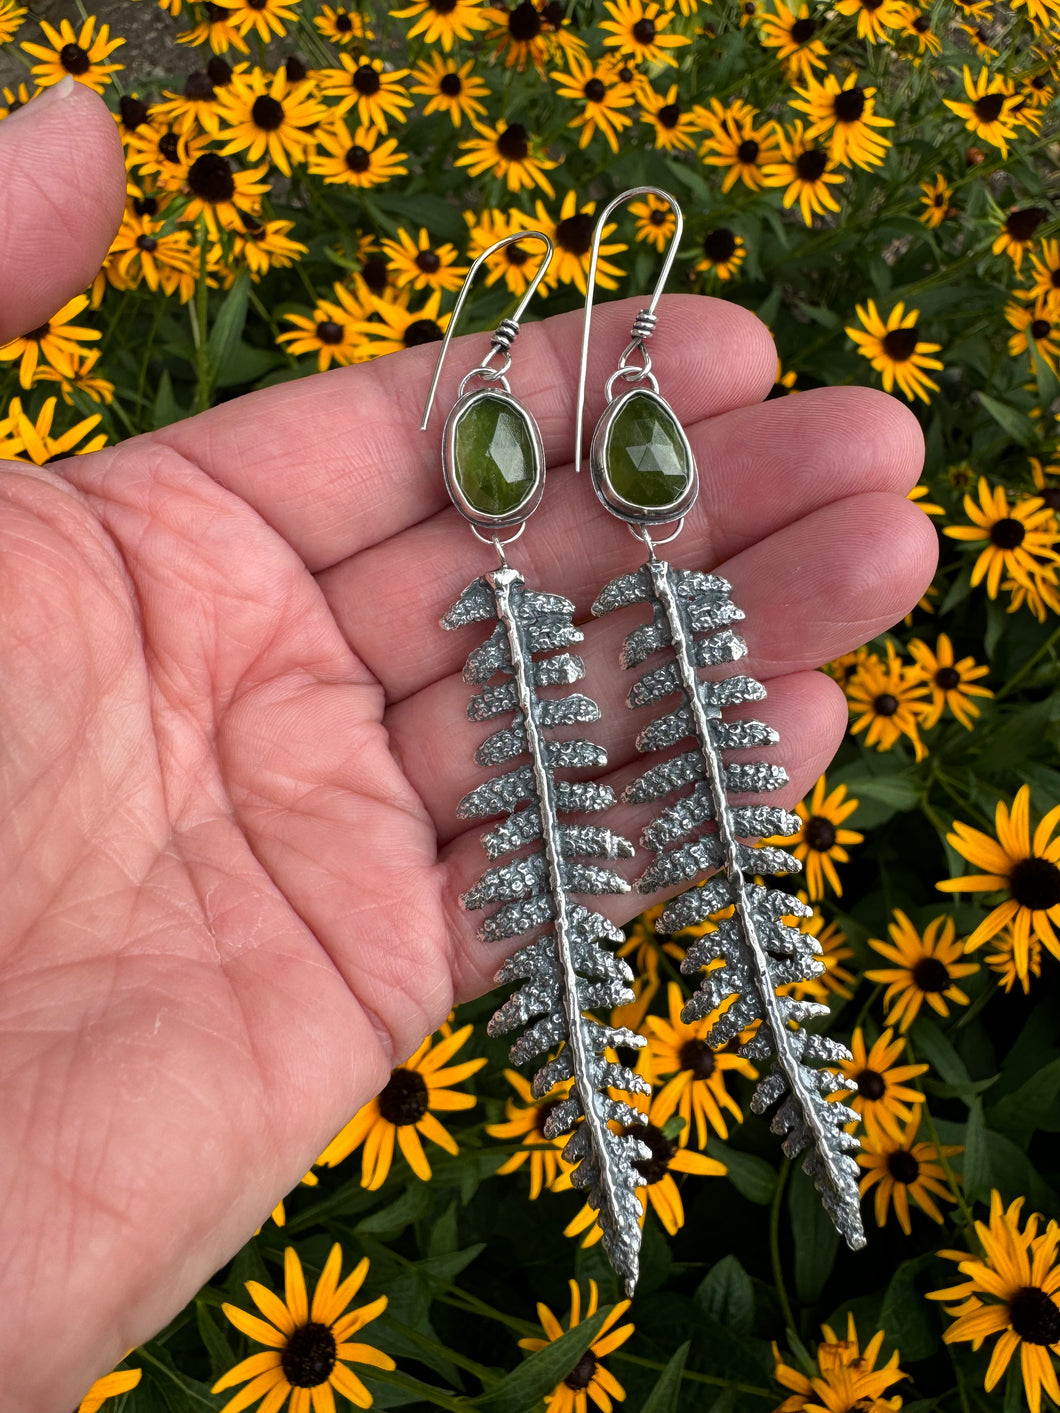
{"x":702,"y":831}
{"x":564,"y":970}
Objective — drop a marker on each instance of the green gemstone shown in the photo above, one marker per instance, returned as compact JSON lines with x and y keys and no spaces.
{"x":493,"y":456}
{"x":646,"y":460}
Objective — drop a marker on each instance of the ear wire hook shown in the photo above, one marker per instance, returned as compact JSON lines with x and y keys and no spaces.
{"x":645,"y":320}
{"x":507,"y":329}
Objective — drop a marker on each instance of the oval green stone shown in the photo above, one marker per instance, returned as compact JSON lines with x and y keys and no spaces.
{"x":645,"y":457}
{"x":493,"y":456}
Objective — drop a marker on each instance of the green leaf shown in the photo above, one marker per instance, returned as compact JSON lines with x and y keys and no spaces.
{"x":751,"y":1176}
{"x":443,"y":1237}
{"x":414,"y":1203}
{"x":166,"y":410}
{"x":815,"y":1239}
{"x":1045,"y":376}
{"x":520,"y":1390}
{"x":228,"y":326}
{"x":1031,"y":1107}
{"x":975,"y":1164}
{"x":902,"y":1312}
{"x":932,"y":1046}
{"x":213,"y":1333}
{"x":727,"y":1295}
{"x":663,"y":1397}
{"x":1017,"y":424}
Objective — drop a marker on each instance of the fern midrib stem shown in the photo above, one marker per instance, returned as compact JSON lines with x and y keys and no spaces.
{"x":503,"y":581}
{"x":686,"y":665}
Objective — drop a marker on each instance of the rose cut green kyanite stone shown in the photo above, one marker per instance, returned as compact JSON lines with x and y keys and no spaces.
{"x":494,"y":460}
{"x":646,"y":457}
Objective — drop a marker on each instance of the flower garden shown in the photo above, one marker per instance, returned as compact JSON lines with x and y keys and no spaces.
{"x":878,"y":181}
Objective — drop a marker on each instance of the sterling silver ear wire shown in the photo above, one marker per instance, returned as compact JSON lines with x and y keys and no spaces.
{"x":644,"y":471}
{"x":494,"y":469}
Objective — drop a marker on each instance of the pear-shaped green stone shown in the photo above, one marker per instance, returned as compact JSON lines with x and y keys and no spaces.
{"x":493,"y":456}
{"x":646,"y":459}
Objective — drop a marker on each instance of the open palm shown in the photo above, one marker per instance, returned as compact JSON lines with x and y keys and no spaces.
{"x":232,"y":737}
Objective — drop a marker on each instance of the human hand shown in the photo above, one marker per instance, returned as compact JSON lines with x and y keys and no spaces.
{"x":232,"y":738}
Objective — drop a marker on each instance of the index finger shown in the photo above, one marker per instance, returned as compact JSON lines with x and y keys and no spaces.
{"x":336,"y":462}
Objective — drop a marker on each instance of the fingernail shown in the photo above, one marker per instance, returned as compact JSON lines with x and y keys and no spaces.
{"x":48,"y":96}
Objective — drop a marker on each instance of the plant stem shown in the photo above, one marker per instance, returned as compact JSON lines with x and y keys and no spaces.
{"x":774,"y":1246}
{"x":694,"y":1377}
{"x":1031,"y":661}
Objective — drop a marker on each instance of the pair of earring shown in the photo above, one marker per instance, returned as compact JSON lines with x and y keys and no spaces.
{"x":643,"y":470}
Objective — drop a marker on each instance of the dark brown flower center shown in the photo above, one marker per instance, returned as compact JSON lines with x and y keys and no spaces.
{"x":988,"y":108}
{"x":1034,"y":1316}
{"x":1051,"y":497}
{"x":819,"y":833}
{"x":810,"y":164}
{"x":939,"y":199}
{"x":451,"y":85}
{"x":921,"y":24}
{"x":903,"y":1167}
{"x":343,"y":23}
{"x":886,"y":704}
{"x":669,"y":115}
{"x":406,"y":1097}
{"x":513,"y":144}
{"x":575,"y":234}
{"x":74,"y":59}
{"x":329,"y":332}
{"x":719,"y":246}
{"x":871,"y":1084}
{"x":375,"y":274}
{"x":515,"y":254}
{"x":42,"y":331}
{"x":1021,"y":225}
{"x":849,"y":105}
{"x":594,"y":90}
{"x":1035,"y":883}
{"x":145,"y":205}
{"x":948,"y":678}
{"x":169,"y":146}
{"x":358,"y":159}
{"x":309,"y":1356}
{"x":210,"y":178}
{"x":803,"y":30}
{"x":625,"y":73}
{"x":747,"y":151}
{"x":900,"y":344}
{"x":581,"y":1376}
{"x":366,"y":80}
{"x":929,"y":974}
{"x":422,"y":331}
{"x":146,"y":242}
{"x":133,"y":111}
{"x":220,"y":70}
{"x":644,"y":32}
{"x":428,"y":262}
{"x":267,"y":113}
{"x":198,"y":87}
{"x":1040,"y":329}
{"x":627,"y":1056}
{"x":655,"y":1168}
{"x":697,"y":1056}
{"x":1007,"y":533}
{"x":543,"y":1111}
{"x":443,"y":7}
{"x":294,"y":69}
{"x":524,"y":23}
{"x":777,"y":390}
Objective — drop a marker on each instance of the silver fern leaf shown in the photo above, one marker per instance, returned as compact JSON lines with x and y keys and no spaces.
{"x":565,"y":970}
{"x":700,"y":831}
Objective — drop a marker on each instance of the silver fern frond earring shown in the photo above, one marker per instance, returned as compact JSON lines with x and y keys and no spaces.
{"x":494,"y":469}
{"x":644,"y":472}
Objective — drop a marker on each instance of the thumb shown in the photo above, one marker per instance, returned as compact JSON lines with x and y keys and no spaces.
{"x":62,"y":193}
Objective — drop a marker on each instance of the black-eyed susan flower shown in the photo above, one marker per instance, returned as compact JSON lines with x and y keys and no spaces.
{"x":450,"y":88}
{"x":926,"y":967}
{"x":263,"y":244}
{"x":220,"y":193}
{"x":722,"y":254}
{"x":674,"y":127}
{"x":83,"y":53}
{"x":265,"y":17}
{"x":602,"y":101}
{"x":589,"y":1386}
{"x":894,"y":348}
{"x":530,"y":33}
{"x":1010,"y":965}
{"x":794,"y":35}
{"x":1026,"y":869}
{"x":1019,"y":538}
{"x":165,"y":154}
{"x":1042,"y":596}
{"x":989,"y":112}
{"x":1045,"y":273}
{"x":406,"y":1108}
{"x":329,"y":333}
{"x":145,"y":250}
{"x":1012,"y":1290}
{"x":11,"y":17}
{"x":362,"y":159}
{"x":836,"y":979}
{"x":887,"y":702}
{"x":783,"y":383}
{"x":743,"y":145}
{"x":689,"y":1075}
{"x":637,"y":30}
{"x":883,"y":1098}
{"x":1037,"y":324}
{"x":30,"y":440}
{"x":83,"y":379}
{"x":806,"y":171}
{"x":875,"y":17}
{"x":820,"y":841}
{"x":267,"y":116}
{"x":847,"y":113}
{"x":109,"y":1386}
{"x":844,"y":1376}
{"x":572,"y":237}
{"x":194,"y":108}
{"x":525,"y":1123}
{"x":308,"y":1346}
{"x":515,"y":264}
{"x":444,"y":21}
{"x":980,"y":41}
{"x":420,"y":264}
{"x":510,"y":153}
{"x":215,"y":27}
{"x":343,"y":26}
{"x":654,"y":221}
{"x":1043,"y":14}
{"x":936,"y":201}
{"x":915,"y":25}
{"x":54,"y":342}
{"x":902,"y":1170}
{"x":952,"y":683}
{"x":14,"y":98}
{"x":1017,"y":234}
{"x":376,"y":92}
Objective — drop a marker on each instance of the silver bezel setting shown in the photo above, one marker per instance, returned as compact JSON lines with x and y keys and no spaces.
{"x":529,"y":504}
{"x":627,"y":510}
